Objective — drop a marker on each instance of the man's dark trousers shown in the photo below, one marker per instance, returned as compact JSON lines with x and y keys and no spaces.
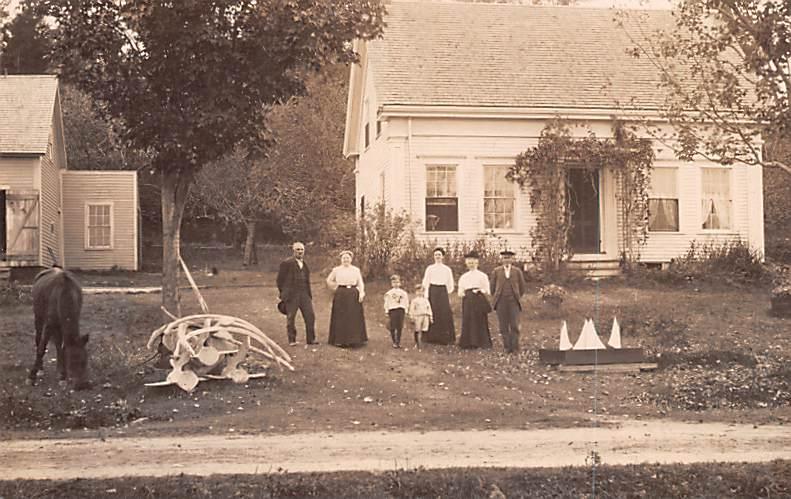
{"x":508,"y":312}
{"x":300,"y":301}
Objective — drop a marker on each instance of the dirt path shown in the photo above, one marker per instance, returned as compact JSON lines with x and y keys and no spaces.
{"x":630,"y":442}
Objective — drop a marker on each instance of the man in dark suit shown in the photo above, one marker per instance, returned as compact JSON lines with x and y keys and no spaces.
{"x":507,"y":287}
{"x":293,"y":283}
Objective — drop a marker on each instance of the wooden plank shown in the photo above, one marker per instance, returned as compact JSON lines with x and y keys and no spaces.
{"x":584,"y":357}
{"x":610,"y":368}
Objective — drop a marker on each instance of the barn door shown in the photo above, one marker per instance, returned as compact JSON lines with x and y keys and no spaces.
{"x":21,"y":219}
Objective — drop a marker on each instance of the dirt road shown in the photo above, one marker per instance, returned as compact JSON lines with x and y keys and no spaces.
{"x":628,"y":442}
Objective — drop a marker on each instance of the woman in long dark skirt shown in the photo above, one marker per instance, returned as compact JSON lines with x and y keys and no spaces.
{"x":475,"y":307}
{"x":347,"y":321}
{"x":438,"y":284}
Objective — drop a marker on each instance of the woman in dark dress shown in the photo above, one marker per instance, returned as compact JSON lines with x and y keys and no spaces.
{"x":475,"y":307}
{"x":347,"y":321}
{"x":438,"y":284}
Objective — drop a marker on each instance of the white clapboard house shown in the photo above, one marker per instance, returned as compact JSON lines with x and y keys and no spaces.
{"x":48,"y":212}
{"x":441,"y":105}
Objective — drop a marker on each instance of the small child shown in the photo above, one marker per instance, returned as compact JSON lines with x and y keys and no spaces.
{"x":396,"y":304}
{"x":420,"y":313}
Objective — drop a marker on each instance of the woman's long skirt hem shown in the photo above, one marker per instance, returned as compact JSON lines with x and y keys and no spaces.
{"x":475,"y":322}
{"x":442,"y":331}
{"x":347,"y":321}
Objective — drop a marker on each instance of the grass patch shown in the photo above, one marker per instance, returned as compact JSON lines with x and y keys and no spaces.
{"x":718,"y":480}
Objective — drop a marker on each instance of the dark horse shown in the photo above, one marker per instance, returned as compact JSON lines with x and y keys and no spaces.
{"x":57,"y":301}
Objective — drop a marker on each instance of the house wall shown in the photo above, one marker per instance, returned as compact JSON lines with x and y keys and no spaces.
{"x":83,"y":187}
{"x":50,"y":202}
{"x":372,"y":172}
{"x":413,"y":143}
{"x":17,"y":172}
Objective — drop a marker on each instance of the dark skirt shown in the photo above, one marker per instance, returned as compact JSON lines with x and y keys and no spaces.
{"x":347,"y":322}
{"x":441,"y":331}
{"x":475,"y":310}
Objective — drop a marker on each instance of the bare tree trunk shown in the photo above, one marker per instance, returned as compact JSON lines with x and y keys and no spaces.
{"x":250,"y":258}
{"x":175,"y":187}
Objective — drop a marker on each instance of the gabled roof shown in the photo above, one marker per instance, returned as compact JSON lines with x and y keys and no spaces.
{"x":483,"y":54}
{"x":27,"y":104}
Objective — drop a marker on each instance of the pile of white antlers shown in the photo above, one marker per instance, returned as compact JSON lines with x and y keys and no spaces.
{"x":211,"y":346}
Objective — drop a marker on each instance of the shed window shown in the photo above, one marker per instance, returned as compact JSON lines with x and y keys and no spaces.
{"x":442,"y":202}
{"x":716,"y":199}
{"x":498,"y":199}
{"x":99,"y":224}
{"x":663,"y":201}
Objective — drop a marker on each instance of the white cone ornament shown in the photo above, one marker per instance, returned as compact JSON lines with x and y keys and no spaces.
{"x":615,"y":334}
{"x":589,"y":340}
{"x":565,"y":342}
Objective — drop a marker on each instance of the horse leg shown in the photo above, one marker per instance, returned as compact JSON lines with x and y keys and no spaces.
{"x":42,"y":338}
{"x":58,"y":337}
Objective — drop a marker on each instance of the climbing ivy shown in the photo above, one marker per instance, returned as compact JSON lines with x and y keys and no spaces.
{"x":544,"y":169}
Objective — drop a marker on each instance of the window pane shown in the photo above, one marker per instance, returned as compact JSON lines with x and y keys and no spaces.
{"x":663,"y":183}
{"x":442,"y":214}
{"x":498,"y":204}
{"x":663,"y":215}
{"x":716,"y":182}
{"x":716,"y":206}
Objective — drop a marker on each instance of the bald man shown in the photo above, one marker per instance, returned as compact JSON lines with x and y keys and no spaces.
{"x":293,"y":283}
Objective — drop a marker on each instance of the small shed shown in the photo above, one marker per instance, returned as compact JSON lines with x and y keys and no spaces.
{"x":49,"y":213}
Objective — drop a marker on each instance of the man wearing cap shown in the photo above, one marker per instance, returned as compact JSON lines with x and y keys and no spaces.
{"x":507,"y":287}
{"x":293,"y":283}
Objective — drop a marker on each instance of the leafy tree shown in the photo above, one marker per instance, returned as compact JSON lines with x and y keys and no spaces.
{"x":190,"y":81}
{"x":27,"y":43}
{"x":93,"y":143}
{"x":304,"y":163}
{"x":726,"y":68}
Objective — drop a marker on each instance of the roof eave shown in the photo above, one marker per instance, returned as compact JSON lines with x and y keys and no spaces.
{"x":513,"y":112}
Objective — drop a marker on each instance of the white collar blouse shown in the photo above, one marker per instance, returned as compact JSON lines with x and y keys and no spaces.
{"x":346,"y":276}
{"x":438,"y":274}
{"x":474,"y":279}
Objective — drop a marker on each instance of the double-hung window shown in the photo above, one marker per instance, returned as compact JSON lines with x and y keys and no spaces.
{"x":663,"y":201}
{"x":716,"y":202}
{"x":99,"y":226}
{"x":442,"y":202}
{"x":498,"y":199}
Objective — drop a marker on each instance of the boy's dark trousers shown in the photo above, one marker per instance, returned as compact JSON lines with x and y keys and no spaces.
{"x":396,"y":323}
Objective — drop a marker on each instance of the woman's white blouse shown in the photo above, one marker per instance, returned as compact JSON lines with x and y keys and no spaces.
{"x":438,"y":274}
{"x":346,"y":276}
{"x":473,"y":279}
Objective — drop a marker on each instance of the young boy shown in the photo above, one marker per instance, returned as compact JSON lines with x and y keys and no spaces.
{"x":420,"y":313}
{"x":396,"y":304}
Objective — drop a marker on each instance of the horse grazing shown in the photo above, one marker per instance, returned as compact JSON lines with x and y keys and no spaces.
{"x":57,"y":301}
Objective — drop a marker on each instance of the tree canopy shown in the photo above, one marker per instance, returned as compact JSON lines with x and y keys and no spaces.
{"x":188,"y":82}
{"x":726,"y":68}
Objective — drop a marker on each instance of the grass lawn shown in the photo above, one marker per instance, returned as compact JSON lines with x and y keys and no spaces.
{"x":701,"y":480}
{"x":721,"y":356}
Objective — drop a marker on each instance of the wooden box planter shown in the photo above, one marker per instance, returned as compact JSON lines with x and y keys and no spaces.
{"x":585,"y":357}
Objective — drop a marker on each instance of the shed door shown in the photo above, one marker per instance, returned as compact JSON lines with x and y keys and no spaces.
{"x":21,"y":220}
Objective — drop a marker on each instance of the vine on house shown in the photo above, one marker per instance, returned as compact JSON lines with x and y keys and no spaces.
{"x":544,"y":169}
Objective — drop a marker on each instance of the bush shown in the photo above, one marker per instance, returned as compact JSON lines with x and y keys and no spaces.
{"x":382,"y":235}
{"x":733,"y":263}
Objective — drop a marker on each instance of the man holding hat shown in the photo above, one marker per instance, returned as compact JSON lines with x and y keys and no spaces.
{"x":507,"y":287}
{"x":293,"y":283}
